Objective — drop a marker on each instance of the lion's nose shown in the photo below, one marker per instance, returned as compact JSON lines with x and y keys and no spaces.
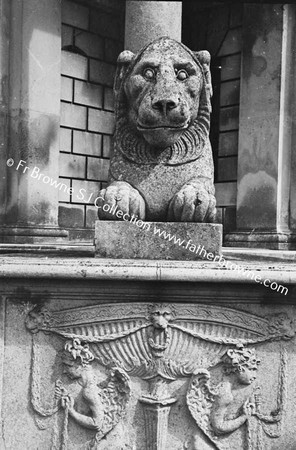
{"x":164,"y":105}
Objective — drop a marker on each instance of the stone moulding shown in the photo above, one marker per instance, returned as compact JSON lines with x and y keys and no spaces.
{"x":280,"y":269}
{"x":161,"y":343}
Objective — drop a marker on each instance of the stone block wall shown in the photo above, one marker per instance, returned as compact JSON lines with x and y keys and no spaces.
{"x":92,"y":38}
{"x":218,"y":29}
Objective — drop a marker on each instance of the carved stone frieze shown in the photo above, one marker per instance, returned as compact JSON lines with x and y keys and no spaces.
{"x":161,"y":344}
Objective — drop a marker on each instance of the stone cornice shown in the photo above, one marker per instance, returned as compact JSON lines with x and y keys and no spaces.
{"x":49,"y":267}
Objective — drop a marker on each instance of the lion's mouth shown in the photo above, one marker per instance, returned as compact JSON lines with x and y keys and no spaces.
{"x":141,"y":127}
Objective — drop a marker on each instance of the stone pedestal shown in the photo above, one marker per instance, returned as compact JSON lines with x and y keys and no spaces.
{"x":156,"y":414}
{"x":158,"y":240}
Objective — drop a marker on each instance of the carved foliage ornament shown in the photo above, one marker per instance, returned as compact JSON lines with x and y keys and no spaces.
{"x":161,"y":343}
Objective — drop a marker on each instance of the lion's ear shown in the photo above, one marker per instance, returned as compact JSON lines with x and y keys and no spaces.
{"x":204,"y":58}
{"x":123,"y":62}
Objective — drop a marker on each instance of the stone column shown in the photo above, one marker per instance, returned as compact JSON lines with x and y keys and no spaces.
{"x":4,"y":77}
{"x":2,"y":351}
{"x":30,"y":210}
{"x":292,"y":99}
{"x":146,"y":21}
{"x":265,"y":128}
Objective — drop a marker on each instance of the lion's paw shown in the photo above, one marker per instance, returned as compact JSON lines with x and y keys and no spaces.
{"x":192,"y":204}
{"x":124,"y":197}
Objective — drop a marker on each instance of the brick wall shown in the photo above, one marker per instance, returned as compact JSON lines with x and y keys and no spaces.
{"x":91,"y":41}
{"x":218,"y":29}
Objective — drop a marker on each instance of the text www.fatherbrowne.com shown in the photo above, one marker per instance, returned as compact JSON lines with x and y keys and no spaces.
{"x":222,"y":262}
{"x":191,"y":247}
{"x":113,"y":210}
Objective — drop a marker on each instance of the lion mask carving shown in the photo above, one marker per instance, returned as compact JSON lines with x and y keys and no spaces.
{"x":161,"y":168}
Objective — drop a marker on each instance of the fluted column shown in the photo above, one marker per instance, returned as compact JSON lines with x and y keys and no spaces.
{"x":156,"y":416}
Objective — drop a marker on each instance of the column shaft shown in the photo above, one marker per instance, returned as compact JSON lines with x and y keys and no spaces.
{"x":265,"y":127}
{"x":34,"y":115}
{"x":146,"y":21}
{"x":4,"y":98}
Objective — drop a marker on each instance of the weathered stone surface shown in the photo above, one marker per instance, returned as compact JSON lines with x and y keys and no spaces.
{"x":101,"y":375}
{"x":32,"y":95}
{"x":150,"y":240}
{"x":265,"y":119}
{"x":162,"y":154}
{"x":266,"y":167}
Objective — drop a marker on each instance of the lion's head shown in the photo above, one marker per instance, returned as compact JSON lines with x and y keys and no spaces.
{"x":162,"y":103}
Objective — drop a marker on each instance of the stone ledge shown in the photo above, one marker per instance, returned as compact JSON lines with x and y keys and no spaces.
{"x":76,"y":250}
{"x":141,"y":270}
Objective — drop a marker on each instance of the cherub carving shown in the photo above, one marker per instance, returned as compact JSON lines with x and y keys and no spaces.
{"x":106,"y":401}
{"x":240,"y":366}
{"x":224,"y":408}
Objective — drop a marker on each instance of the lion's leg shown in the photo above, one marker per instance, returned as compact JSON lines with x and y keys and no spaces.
{"x":194,"y":202}
{"x":211,"y":216}
{"x":120,"y":201}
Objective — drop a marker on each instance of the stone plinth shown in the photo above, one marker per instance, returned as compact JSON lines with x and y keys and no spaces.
{"x":157,"y":240}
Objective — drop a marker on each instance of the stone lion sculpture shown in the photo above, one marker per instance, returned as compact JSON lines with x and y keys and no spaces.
{"x":162,"y":167}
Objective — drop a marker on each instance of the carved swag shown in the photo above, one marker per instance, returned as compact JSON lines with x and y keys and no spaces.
{"x":161,"y":343}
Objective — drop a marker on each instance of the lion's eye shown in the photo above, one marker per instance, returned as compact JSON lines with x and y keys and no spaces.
{"x":181,"y":74}
{"x":149,"y":74}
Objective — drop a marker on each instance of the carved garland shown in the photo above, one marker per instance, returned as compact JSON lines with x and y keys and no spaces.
{"x":46,"y":411}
